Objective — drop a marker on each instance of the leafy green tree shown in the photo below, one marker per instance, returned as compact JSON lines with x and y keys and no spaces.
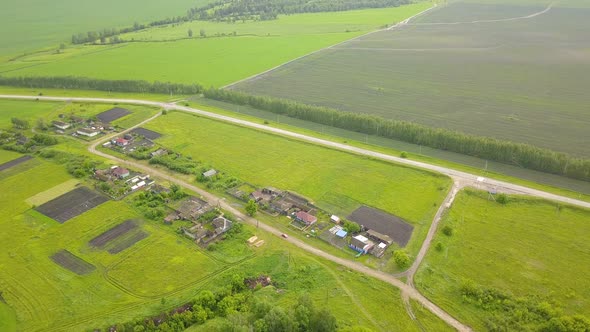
{"x":202,"y":33}
{"x":278,"y":321}
{"x":351,"y":226}
{"x":20,"y":123}
{"x":251,"y":208}
{"x":323,"y":321}
{"x":190,"y":33}
{"x":502,"y":199}
{"x":447,"y":230}
{"x":401,"y":258}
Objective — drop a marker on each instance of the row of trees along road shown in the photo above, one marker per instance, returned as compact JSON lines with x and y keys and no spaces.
{"x":512,"y":153}
{"x":71,"y":82}
{"x":519,"y":154}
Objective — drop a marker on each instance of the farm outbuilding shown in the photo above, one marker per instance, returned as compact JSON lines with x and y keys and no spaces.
{"x":361,"y":244}
{"x":61,"y":125}
{"x":341,"y":233}
{"x":87,"y":132}
{"x":210,"y":173}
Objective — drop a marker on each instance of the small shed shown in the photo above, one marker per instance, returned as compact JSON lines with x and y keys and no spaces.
{"x":335,"y":219}
{"x":341,"y":233}
{"x":210,"y":173}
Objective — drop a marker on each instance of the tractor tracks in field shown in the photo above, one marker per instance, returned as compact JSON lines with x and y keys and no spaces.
{"x":533,"y":15}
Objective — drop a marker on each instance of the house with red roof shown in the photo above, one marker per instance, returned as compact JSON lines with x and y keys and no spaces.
{"x":306,"y":218}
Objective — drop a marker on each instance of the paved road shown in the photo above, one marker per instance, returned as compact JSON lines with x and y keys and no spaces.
{"x":463,"y":178}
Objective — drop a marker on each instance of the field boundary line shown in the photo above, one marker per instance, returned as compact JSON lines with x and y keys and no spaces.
{"x":397,"y":25}
{"x":533,"y":15}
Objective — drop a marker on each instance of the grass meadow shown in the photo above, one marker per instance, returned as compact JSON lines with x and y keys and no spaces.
{"x":27,"y":26}
{"x":214,"y":61}
{"x":336,"y":181}
{"x":519,"y":80}
{"x":526,"y":248}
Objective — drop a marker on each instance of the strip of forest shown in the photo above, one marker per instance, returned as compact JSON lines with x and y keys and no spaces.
{"x":507,"y":152}
{"x":82,"y":83}
{"x":239,"y":10}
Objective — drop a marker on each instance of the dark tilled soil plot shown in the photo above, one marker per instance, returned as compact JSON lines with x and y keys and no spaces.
{"x":113,"y":233}
{"x":149,"y":134}
{"x":384,"y":223}
{"x":14,"y":162}
{"x":72,"y":204}
{"x":112,"y":114}
{"x":72,"y":262}
{"x":128,"y":242}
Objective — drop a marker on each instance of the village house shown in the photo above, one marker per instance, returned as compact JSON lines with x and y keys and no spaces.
{"x":121,"y":142}
{"x":335,"y":219}
{"x":87,"y":132}
{"x":61,"y":125}
{"x":192,"y":208}
{"x":120,"y":172}
{"x":361,"y":244}
{"x":305,"y":218}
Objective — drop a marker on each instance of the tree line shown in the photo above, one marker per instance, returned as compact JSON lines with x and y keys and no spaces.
{"x":237,"y":309}
{"x":83,"y":83}
{"x":232,"y":10}
{"x":518,"y":154}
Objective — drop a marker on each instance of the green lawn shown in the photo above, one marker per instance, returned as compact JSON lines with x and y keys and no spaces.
{"x":526,"y":248}
{"x":26,"y":26}
{"x":215,"y":61}
{"x":6,"y":156}
{"x":338,"y":182}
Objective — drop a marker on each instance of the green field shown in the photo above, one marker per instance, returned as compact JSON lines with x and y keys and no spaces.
{"x":336,"y":181}
{"x":41,"y":295}
{"x":521,"y":80}
{"x":528,"y":248}
{"x":215,"y":61}
{"x":27,"y":26}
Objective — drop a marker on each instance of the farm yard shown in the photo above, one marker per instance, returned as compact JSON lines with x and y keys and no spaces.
{"x":527,"y":251}
{"x":215,"y":60}
{"x":332,"y":179}
{"x":519,"y":80}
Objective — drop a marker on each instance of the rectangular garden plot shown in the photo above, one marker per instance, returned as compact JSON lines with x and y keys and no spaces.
{"x":71,"y":204}
{"x":113,"y":233}
{"x":14,"y":162}
{"x":72,"y":262}
{"x":127,"y":241}
{"x":119,"y":237}
{"x":112,"y":114}
{"x":396,"y":228}
{"x":149,"y":134}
